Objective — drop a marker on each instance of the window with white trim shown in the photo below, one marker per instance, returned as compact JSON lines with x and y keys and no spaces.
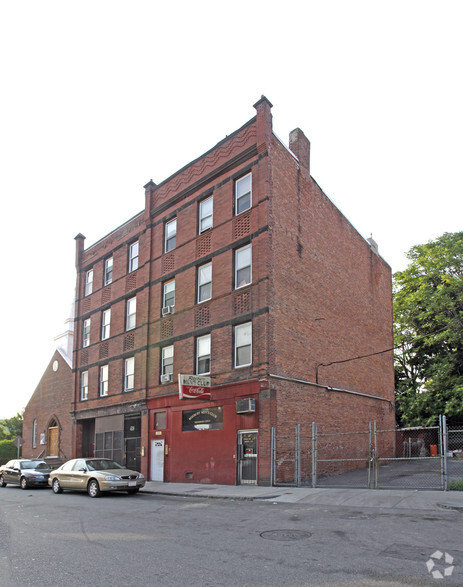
{"x":131,"y":314}
{"x":243,"y":344}
{"x":104,"y":380}
{"x":88,"y":288}
{"x":108,"y":271}
{"x":168,"y":294}
{"x":243,"y":266}
{"x":84,"y":385}
{"x":34,"y":434}
{"x":133,"y":257}
{"x":243,"y":193}
{"x":205,"y":214}
{"x":129,"y":373}
{"x":170,"y":235}
{"x":203,"y":355}
{"x":167,"y":360}
{"x":105,"y":324}
{"x":86,"y":333}
{"x":204,"y":282}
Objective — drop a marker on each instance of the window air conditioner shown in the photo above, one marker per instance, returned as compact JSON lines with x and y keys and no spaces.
{"x":166,"y":378}
{"x":167,"y":310}
{"x":246,"y":406}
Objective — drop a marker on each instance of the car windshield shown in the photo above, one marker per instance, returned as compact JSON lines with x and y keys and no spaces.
{"x":34,"y":465}
{"x":102,"y":465}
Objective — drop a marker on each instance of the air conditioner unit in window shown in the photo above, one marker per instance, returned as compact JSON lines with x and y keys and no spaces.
{"x":167,"y":310}
{"x":246,"y":406}
{"x":166,"y":378}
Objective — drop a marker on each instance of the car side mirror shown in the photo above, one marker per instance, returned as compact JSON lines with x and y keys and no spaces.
{"x":16,"y":469}
{"x":83,"y":470}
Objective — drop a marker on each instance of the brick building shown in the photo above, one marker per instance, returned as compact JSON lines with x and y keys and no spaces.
{"x":240,"y":269}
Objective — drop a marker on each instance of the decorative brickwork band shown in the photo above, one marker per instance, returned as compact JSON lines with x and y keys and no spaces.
{"x":241,"y":225}
{"x":106,"y":295}
{"x":131,"y":282}
{"x":202,"y":317}
{"x":203,"y":245}
{"x":168,"y":263}
{"x":242,"y":303}
{"x":167,"y":328}
{"x":129,"y":342}
{"x":104,"y":348}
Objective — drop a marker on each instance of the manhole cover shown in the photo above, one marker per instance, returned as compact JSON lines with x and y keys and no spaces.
{"x":285,"y":535}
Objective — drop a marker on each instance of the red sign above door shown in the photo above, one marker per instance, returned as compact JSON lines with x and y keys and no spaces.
{"x":194,"y":387}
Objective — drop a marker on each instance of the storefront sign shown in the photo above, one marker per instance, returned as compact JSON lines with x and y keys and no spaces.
{"x":202,"y":419}
{"x":194,"y":387}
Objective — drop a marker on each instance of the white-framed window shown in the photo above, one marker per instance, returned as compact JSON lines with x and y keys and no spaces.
{"x":104,"y":380}
{"x":34,"y":434}
{"x":168,"y":294}
{"x":129,"y":373}
{"x":106,"y":324}
{"x":86,"y":333}
{"x":203,"y":355}
{"x":243,"y":193}
{"x":133,"y":256}
{"x":170,"y":235}
{"x":108,"y":271}
{"x":167,"y":360}
{"x":131,"y":314}
{"x":84,"y":385}
{"x":88,"y":282}
{"x":243,"y":344}
{"x":204,"y":282}
{"x":243,"y":266}
{"x":205,"y":214}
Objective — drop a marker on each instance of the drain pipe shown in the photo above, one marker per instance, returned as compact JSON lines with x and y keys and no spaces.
{"x":329,"y":388}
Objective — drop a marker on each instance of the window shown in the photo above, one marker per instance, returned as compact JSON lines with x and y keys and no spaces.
{"x":205,"y":282}
{"x":108,"y":271}
{"x":205,"y":214}
{"x":131,"y":314}
{"x":86,"y":333}
{"x":160,"y":420}
{"x":243,"y":345}
{"x":129,"y":373}
{"x":34,"y":434}
{"x":243,"y":194}
{"x":88,"y":282}
{"x":203,"y":355}
{"x":105,"y":324}
{"x":243,"y":259}
{"x":167,"y":364}
{"x":104,"y":380}
{"x":133,"y":257}
{"x":168,"y":295}
{"x":84,"y":385}
{"x":170,"y":235}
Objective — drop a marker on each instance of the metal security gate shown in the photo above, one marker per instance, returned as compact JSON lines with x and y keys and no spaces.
{"x":413,"y":458}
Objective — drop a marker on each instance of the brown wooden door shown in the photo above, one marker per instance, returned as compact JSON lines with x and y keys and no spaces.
{"x":53,"y":441}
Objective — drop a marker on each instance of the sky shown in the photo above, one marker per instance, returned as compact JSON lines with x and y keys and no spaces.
{"x":99,"y":97}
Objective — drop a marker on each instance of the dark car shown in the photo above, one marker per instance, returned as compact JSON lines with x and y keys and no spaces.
{"x":25,"y":473}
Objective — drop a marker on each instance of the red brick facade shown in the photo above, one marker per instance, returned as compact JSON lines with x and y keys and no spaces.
{"x":315,"y":294}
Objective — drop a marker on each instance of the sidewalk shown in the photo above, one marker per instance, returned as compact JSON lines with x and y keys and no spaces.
{"x":363,"y":498}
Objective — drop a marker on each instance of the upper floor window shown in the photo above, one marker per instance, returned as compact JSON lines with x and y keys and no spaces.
{"x":205,"y":282}
{"x":104,"y":380}
{"x":88,"y":282}
{"x":243,"y":261}
{"x":105,"y":324}
{"x":167,"y":363}
{"x":168,"y":296}
{"x":170,"y":235}
{"x":86,"y":333}
{"x":203,"y":354}
{"x":243,"y":344}
{"x":133,"y":256}
{"x":205,"y":214}
{"x":34,"y":434}
{"x":129,"y":373}
{"x":131,"y":314}
{"x":108,"y":271}
{"x":84,"y":385}
{"x":243,"y":193}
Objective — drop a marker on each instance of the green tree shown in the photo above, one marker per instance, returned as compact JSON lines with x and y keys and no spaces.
{"x":10,"y":428}
{"x":428,"y":330}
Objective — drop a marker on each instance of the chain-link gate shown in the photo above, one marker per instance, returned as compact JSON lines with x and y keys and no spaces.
{"x":413,"y":458}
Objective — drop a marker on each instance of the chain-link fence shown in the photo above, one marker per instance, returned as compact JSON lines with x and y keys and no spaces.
{"x":455,"y":458}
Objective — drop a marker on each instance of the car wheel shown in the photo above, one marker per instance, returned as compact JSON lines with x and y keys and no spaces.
{"x":56,"y":486}
{"x":2,"y":481}
{"x":93,"y":489}
{"x":133,"y":491}
{"x":23,"y":483}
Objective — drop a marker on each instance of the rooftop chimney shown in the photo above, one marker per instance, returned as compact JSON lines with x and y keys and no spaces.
{"x":299,"y":144}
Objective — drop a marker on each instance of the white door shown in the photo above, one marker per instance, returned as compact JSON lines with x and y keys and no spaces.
{"x":157,"y":460}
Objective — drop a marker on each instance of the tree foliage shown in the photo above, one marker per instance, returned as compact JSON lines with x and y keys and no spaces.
{"x":428,"y":330}
{"x":10,"y":428}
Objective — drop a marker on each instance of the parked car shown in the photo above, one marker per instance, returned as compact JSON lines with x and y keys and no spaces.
{"x":25,"y":473}
{"x":95,"y":476}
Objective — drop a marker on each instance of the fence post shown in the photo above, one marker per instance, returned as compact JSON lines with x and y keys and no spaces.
{"x":272,"y":455}
{"x":375,"y":462}
{"x":314,"y":455}
{"x":445,"y":439}
{"x":369,"y":458}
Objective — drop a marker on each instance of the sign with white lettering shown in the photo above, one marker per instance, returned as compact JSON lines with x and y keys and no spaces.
{"x":194,"y":387}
